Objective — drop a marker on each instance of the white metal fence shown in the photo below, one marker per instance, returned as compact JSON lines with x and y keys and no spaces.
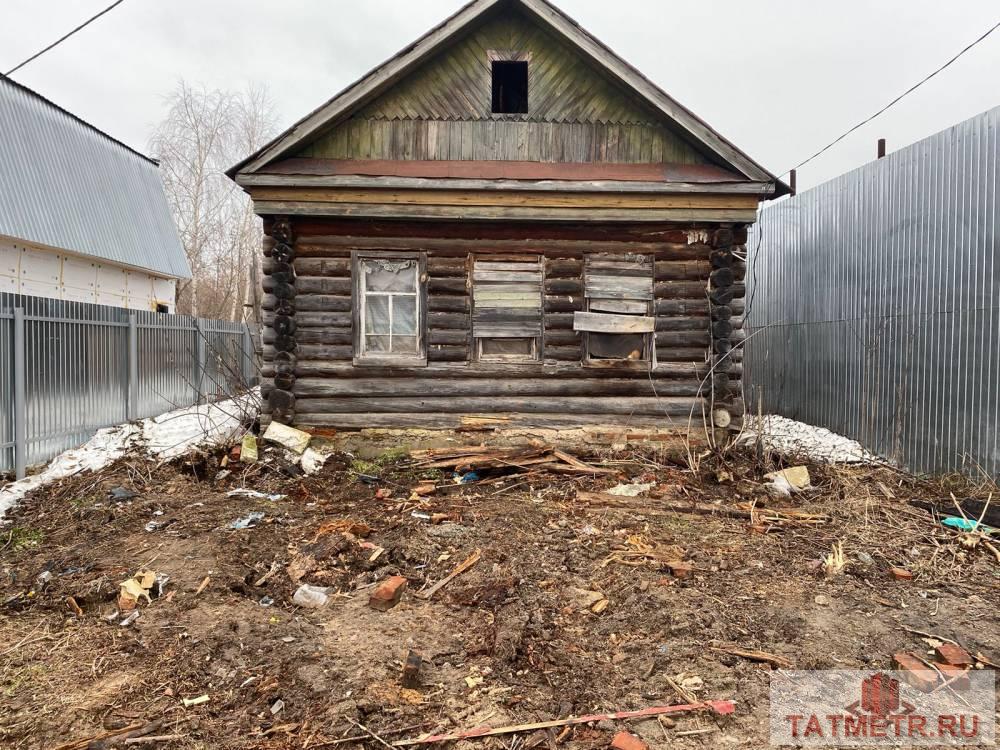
{"x":70,"y":368}
{"x":874,"y":303}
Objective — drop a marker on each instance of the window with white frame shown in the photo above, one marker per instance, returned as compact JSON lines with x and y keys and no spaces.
{"x":389,"y":308}
{"x":507,"y":308}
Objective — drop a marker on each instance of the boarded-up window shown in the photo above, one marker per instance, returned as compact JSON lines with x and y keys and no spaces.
{"x":507,"y":308}
{"x":388,"y":308}
{"x":617,"y":324}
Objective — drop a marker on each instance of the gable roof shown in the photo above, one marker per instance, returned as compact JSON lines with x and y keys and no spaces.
{"x":386,"y":75}
{"x":69,"y":186}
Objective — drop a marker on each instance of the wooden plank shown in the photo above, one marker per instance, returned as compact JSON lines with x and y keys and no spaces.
{"x":508,"y":276}
{"x":626,"y":306}
{"x":511,"y":330}
{"x":492,"y":198}
{"x":609,"y":323}
{"x":376,"y":387}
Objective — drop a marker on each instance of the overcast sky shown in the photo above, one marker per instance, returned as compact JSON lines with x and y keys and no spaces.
{"x":778,"y":78}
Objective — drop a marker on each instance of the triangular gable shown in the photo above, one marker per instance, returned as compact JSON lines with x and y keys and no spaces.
{"x":625,"y":96}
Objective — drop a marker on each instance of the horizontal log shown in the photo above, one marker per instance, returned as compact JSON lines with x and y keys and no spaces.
{"x":537,"y":370}
{"x":562,"y":337}
{"x":562,"y":304}
{"x":563,"y":268}
{"x":447,"y":286}
{"x":564,"y":353}
{"x":679,"y":270}
{"x":681,"y":354}
{"x":323,"y":303}
{"x":680,"y":290}
{"x":444,"y":267}
{"x":502,"y":386}
{"x":314,"y":319}
{"x":436,"y":336}
{"x":308,"y":352}
{"x":332,"y":267}
{"x":683,"y":339}
{"x":674,"y":406}
{"x":448,"y":320}
{"x":439,"y":303}
{"x":568,"y":287}
{"x":615,"y":424}
{"x":444,"y":353}
{"x":322,"y":285}
{"x":682,"y":307}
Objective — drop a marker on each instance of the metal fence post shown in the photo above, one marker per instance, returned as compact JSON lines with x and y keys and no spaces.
{"x":199,"y":361}
{"x":132,"y":408}
{"x":247,"y":358}
{"x":20,"y":397}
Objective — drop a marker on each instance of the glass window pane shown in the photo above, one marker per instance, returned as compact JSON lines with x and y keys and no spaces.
{"x":404,"y":344}
{"x":617,"y":346}
{"x":377,"y":314}
{"x":390,"y":275}
{"x":377,"y":344}
{"x":404,"y":314}
{"x":506,"y":347}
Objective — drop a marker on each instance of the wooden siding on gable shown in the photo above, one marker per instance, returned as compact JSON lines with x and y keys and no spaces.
{"x":442,"y":111}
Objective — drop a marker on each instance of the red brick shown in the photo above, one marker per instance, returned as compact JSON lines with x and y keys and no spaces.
{"x":901,"y":574}
{"x":628,"y":741}
{"x":915,"y":672}
{"x":388,"y":593}
{"x":681,"y":569}
{"x":956,"y":656}
{"x":959,"y":674}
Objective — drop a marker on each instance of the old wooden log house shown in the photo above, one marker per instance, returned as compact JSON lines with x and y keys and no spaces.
{"x":504,"y":223}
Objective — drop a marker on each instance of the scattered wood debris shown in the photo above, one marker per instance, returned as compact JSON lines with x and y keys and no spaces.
{"x":521,"y":458}
{"x":760,"y":656}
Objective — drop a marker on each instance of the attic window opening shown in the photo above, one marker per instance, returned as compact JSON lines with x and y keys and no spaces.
{"x":510,"y":87}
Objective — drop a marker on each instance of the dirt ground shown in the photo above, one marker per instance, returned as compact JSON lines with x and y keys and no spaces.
{"x":514,"y":639}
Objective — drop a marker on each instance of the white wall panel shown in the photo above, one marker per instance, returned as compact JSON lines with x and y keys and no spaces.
{"x":10,"y":259}
{"x":41,"y":265}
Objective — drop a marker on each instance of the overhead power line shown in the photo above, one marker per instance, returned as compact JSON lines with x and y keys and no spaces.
{"x":63,"y":38}
{"x":909,"y":91}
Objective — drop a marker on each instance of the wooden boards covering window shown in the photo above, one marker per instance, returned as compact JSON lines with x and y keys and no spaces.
{"x":507,"y":304}
{"x":619,"y":294}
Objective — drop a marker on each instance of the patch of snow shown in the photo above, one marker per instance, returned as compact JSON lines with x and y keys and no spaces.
{"x":167,"y":436}
{"x":173,"y":434}
{"x":791,"y":438}
{"x":106,"y":446}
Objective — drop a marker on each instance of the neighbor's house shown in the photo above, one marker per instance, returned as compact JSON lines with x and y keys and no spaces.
{"x":82,"y":216}
{"x":505,"y":224}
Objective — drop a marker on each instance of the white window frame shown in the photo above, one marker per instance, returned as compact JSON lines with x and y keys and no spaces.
{"x":364,"y":357}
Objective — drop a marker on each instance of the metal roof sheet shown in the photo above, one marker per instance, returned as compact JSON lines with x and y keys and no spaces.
{"x":65,"y":184}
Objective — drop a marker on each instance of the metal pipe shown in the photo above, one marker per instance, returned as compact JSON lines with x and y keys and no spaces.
{"x":20,"y":399}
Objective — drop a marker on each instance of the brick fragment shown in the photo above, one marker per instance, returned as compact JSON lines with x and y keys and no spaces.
{"x":388,"y":593}
{"x":953,"y":654}
{"x":960,"y":675}
{"x":915,"y":672}
{"x":901,"y":574}
{"x":628,"y":741}
{"x":680,"y":569}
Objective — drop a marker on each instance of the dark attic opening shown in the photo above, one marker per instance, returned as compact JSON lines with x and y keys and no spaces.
{"x":510,"y":87}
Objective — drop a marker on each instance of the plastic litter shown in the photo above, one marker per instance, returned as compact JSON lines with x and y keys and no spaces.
{"x":964,"y":524}
{"x":255,"y":494}
{"x":311,"y":597}
{"x":630,"y":490}
{"x":248,"y":522}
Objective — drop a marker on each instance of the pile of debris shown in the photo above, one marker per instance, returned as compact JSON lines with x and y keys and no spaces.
{"x":472,"y":463}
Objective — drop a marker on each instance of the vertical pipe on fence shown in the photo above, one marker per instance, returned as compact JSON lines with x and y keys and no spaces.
{"x":132,"y":409}
{"x":247,"y":362}
{"x":199,"y":362}
{"x":20,"y":397}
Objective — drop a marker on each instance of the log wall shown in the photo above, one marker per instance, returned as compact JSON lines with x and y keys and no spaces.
{"x":311,"y":380}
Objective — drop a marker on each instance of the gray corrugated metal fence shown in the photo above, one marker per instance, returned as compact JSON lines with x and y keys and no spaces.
{"x":875,"y":305}
{"x":80,"y":367}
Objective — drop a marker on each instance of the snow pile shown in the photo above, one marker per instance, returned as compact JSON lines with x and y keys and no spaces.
{"x":106,"y":446}
{"x":175,"y":433}
{"x":788,"y":437}
{"x":167,"y":436}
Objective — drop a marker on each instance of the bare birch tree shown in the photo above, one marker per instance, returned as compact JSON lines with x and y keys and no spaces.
{"x":203,"y":134}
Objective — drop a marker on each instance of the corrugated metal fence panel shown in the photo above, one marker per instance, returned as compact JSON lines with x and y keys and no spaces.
{"x":75,"y":360}
{"x":77,"y":369}
{"x":168,"y":368}
{"x":876,"y":304}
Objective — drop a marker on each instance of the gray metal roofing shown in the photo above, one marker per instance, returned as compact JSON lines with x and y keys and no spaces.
{"x":66,"y":184}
